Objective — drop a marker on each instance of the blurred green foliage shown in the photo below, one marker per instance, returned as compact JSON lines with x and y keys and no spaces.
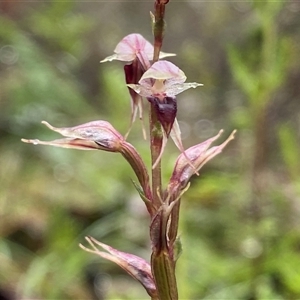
{"x":240,"y":218}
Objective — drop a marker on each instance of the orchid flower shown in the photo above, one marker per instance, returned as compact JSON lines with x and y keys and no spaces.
{"x":135,"y":46}
{"x":160,"y":84}
{"x":137,"y":52}
{"x":162,"y":79}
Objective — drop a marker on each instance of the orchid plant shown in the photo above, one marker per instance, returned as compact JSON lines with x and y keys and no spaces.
{"x":150,"y":79}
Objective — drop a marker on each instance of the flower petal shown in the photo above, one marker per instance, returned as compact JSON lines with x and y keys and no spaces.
{"x":132,"y":46}
{"x":95,"y":130}
{"x":175,"y":89}
{"x":164,"y":69}
{"x":142,"y":90}
{"x":133,"y":73}
{"x":162,"y":79}
{"x":176,"y":137}
{"x":163,"y":146}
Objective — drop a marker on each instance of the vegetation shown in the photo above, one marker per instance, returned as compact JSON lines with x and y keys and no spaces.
{"x":240,"y":218}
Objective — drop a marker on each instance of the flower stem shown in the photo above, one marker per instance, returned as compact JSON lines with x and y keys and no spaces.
{"x":158,"y":27}
{"x":162,"y":260}
{"x":138,"y":166}
{"x":156,"y":134}
{"x":163,"y":269}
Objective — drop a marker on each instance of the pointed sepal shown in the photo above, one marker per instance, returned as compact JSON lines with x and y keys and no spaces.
{"x":133,"y":73}
{"x":198,"y":155}
{"x":135,"y":266}
{"x":175,"y":134}
{"x":96,"y":135}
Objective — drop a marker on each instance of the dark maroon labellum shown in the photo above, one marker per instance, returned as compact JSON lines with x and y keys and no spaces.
{"x":133,"y":73}
{"x":130,"y":70}
{"x":166,"y":111}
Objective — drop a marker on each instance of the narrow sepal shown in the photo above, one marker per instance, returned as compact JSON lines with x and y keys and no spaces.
{"x":133,"y":73}
{"x":198,"y":155}
{"x":164,"y":140}
{"x":66,"y":143}
{"x":176,"y":137}
{"x":135,"y":266}
{"x":96,"y":135}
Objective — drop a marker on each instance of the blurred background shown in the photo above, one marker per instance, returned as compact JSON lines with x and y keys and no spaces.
{"x":240,"y":220}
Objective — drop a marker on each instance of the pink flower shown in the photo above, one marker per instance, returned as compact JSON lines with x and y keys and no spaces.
{"x":134,"y":46}
{"x":162,"y":79}
{"x":160,"y":84}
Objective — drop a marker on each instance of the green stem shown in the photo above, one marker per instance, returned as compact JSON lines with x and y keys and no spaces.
{"x":162,"y":261}
{"x":138,"y":166}
{"x":163,"y":268}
